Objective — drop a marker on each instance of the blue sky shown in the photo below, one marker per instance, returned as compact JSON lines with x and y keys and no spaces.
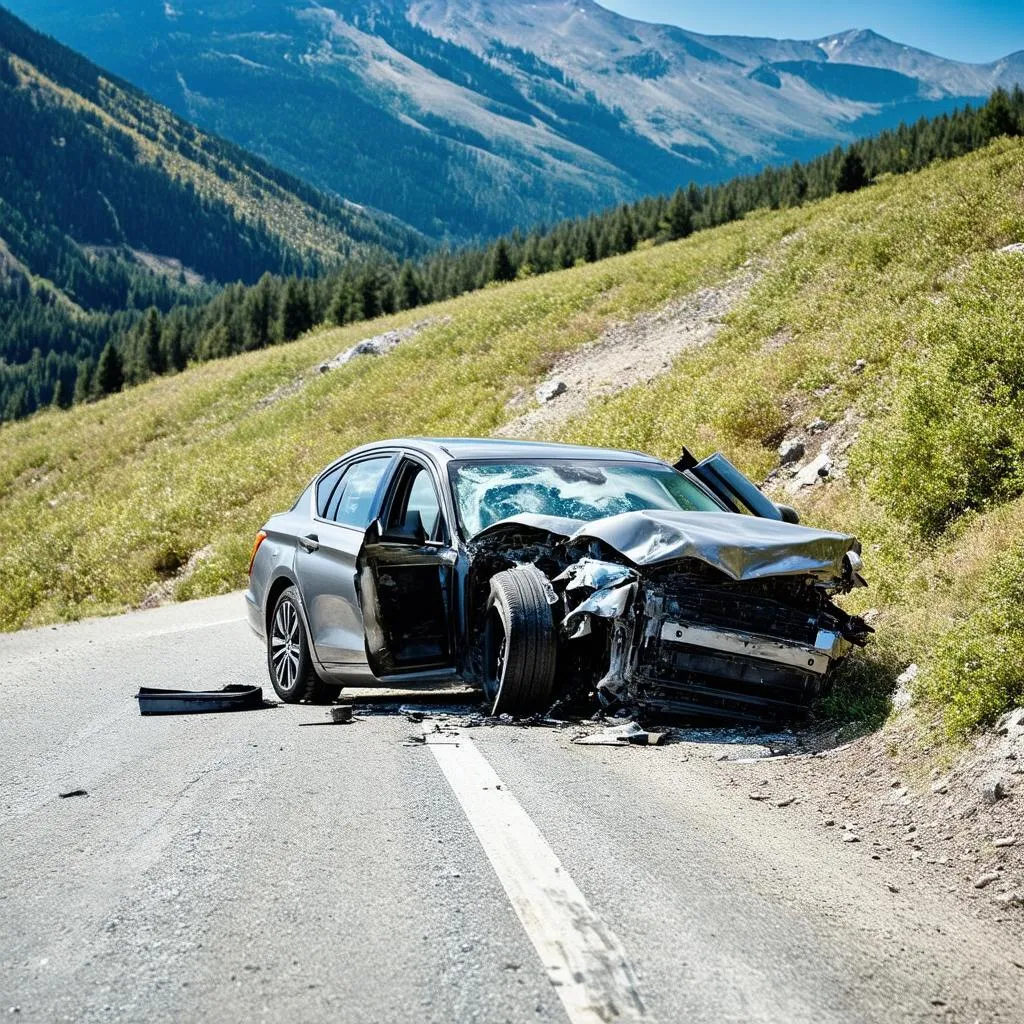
{"x":977,"y":31}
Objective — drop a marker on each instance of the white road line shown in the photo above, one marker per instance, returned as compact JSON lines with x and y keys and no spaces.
{"x":584,"y":960}
{"x":188,"y":628}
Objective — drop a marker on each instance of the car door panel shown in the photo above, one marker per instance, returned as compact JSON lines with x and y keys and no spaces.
{"x":327,"y":579}
{"x":327,"y":554}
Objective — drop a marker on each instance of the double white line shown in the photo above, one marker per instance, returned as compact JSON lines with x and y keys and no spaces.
{"x":584,"y":960}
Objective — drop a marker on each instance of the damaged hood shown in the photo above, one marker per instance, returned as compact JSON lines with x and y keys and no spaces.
{"x":742,"y":547}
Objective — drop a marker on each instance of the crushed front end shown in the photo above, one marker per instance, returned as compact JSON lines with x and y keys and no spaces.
{"x":740,"y":628}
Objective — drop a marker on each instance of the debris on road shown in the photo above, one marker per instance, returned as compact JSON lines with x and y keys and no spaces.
{"x":341,"y":715}
{"x":628,"y":733}
{"x":188,"y":702}
{"x":73,"y":792}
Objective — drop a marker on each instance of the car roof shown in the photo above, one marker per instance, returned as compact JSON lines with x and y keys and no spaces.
{"x":449,"y":449}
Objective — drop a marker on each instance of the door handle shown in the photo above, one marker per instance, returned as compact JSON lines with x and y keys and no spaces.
{"x":310,"y":543}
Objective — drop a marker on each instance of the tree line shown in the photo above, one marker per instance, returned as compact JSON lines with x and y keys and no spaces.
{"x":132,"y":348}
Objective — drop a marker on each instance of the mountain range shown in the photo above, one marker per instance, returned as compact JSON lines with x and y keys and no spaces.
{"x":465,"y":118}
{"x":110,"y":204}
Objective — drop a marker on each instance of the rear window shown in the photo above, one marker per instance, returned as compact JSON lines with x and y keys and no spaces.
{"x":487,"y":492}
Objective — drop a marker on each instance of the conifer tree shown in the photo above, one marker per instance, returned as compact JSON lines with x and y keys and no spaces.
{"x":296,"y":315}
{"x":501,"y":268}
{"x":853,"y":174}
{"x":109,"y":371}
{"x":680,"y":216}
{"x":410,"y":293}
{"x":151,"y":355}
{"x":83,"y":382}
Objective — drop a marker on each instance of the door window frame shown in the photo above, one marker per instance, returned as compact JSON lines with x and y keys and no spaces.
{"x":392,"y":495}
{"x":378,"y":496}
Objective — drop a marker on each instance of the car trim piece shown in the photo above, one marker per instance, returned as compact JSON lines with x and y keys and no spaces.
{"x":814,"y":659}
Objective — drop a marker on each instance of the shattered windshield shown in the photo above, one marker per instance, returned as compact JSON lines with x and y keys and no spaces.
{"x":487,"y":492}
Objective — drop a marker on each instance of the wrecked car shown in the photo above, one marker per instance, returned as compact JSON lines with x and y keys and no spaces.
{"x":541,"y":571}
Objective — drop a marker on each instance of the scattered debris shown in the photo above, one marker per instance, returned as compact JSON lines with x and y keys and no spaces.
{"x":818,"y":426}
{"x":187,"y":702}
{"x":1013,"y":248}
{"x":340,"y":715}
{"x":985,"y":880}
{"x":1005,"y":841}
{"x":940,"y":787}
{"x":859,"y":366}
{"x":622,"y":735}
{"x":849,"y":837}
{"x":786,"y":802}
{"x":893,"y":888}
{"x":73,"y":792}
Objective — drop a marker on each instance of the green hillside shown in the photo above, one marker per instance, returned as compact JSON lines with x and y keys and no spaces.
{"x":110,"y":204}
{"x":100,"y":503}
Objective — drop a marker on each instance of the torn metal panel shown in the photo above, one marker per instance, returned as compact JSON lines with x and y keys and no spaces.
{"x":610,"y":603}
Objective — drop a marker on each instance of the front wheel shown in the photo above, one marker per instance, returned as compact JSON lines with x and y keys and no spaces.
{"x":519,"y":643}
{"x":288,"y":656}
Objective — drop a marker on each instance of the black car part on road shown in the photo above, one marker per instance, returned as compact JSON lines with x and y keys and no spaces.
{"x":188,"y":702}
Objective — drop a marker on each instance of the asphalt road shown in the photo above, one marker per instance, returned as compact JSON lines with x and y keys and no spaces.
{"x":239,"y":867}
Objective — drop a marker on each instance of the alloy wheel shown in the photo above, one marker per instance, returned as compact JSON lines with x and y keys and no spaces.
{"x":286,"y":645}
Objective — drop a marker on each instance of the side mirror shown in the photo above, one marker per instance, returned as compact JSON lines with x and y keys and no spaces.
{"x":789,"y":514}
{"x":410,"y":532}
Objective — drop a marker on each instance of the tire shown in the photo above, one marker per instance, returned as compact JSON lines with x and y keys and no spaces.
{"x":519,"y":643}
{"x":289,"y":660}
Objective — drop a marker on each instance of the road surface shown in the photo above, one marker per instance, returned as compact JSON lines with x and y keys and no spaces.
{"x":241,"y":867}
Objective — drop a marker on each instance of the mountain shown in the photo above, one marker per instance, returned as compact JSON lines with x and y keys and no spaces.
{"x":110,"y":203}
{"x":466,"y":118}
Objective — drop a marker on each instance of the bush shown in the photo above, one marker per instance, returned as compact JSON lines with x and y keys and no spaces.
{"x":954,"y":441}
{"x":977,"y":670}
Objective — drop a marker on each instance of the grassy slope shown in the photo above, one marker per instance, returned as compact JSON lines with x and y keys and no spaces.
{"x":95,"y":502}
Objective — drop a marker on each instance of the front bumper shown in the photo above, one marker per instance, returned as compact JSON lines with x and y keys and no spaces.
{"x":700,"y":670}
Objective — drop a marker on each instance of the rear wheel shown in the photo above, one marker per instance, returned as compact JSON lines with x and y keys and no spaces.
{"x":520,"y":645}
{"x":288,"y":656}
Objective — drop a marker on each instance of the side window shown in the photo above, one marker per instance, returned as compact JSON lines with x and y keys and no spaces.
{"x":423,"y":499}
{"x":326,"y":489}
{"x":346,"y":494}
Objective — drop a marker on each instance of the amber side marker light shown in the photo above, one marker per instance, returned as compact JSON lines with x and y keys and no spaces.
{"x":260,"y":538}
